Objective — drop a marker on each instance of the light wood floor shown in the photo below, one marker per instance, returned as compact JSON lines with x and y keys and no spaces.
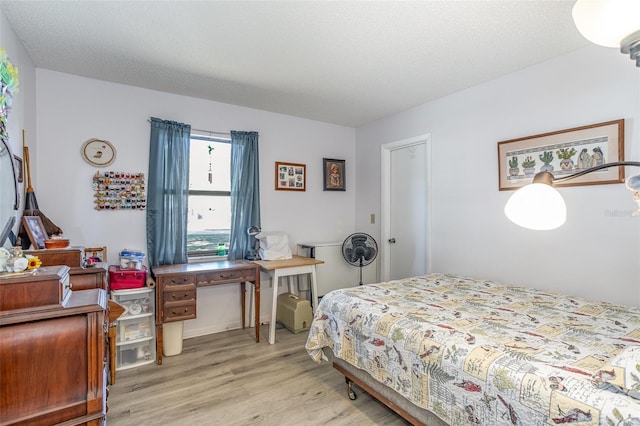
{"x":228,"y":379}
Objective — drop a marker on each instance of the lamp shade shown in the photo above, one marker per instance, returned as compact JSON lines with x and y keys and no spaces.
{"x":536,"y":206}
{"x":606,"y":22}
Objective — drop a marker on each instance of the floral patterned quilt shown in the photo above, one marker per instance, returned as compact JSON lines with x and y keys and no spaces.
{"x":483,"y":352}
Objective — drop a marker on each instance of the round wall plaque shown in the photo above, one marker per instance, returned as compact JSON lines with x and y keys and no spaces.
{"x":98,"y":152}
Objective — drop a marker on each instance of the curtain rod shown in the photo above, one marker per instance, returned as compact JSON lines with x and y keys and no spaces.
{"x":210,"y":132}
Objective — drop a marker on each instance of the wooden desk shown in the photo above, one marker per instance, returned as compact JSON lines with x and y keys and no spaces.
{"x":176,"y":290}
{"x":297,"y":265}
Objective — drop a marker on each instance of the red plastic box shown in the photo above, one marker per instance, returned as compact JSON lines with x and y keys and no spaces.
{"x":122,"y":279}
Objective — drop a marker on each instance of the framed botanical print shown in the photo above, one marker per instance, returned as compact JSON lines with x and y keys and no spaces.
{"x":563,"y":153}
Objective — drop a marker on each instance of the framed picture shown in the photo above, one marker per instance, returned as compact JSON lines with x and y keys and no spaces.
{"x":94,"y":256}
{"x":35,"y":230}
{"x":563,"y":153}
{"x":333,"y":174}
{"x":19,"y":168}
{"x":291,"y":176}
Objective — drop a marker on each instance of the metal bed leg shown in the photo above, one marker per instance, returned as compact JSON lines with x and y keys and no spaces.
{"x":350,"y":391}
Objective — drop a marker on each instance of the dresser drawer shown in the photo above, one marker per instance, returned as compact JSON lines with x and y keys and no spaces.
{"x":227,"y":276}
{"x":179,"y":293}
{"x":179,"y":312}
{"x":85,"y":279}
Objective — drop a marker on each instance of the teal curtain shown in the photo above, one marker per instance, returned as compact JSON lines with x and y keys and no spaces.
{"x":167,"y":192}
{"x":245,"y":191}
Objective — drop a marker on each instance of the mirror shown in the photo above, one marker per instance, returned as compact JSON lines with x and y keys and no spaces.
{"x":8,"y":192}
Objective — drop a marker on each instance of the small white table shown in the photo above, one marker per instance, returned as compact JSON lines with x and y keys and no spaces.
{"x":297,"y":265}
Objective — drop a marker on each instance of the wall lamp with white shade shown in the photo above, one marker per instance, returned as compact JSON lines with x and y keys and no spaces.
{"x":610,"y":23}
{"x":540,"y":206}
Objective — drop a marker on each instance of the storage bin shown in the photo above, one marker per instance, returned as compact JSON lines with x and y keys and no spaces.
{"x":294,"y":313}
{"x":131,"y":259}
{"x":135,"y":354}
{"x":126,"y":279}
{"x":135,"y":332}
{"x":133,"y":329}
{"x":172,"y":338}
{"x":134,"y":302}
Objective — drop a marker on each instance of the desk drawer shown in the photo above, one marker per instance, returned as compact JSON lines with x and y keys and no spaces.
{"x":181,"y":280}
{"x":179,"y":312}
{"x":179,"y":293}
{"x":228,"y":276}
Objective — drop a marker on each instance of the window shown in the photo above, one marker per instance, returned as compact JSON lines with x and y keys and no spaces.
{"x":209,"y":217}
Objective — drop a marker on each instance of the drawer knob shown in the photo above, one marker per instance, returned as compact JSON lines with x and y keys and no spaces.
{"x":184,"y":311}
{"x":175,"y":297}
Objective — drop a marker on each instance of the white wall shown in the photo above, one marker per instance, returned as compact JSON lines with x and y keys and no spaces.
{"x":72,"y":109}
{"x":597,"y":252}
{"x":22,"y":114}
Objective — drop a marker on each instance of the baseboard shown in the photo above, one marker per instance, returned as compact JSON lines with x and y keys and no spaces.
{"x":213,"y":329}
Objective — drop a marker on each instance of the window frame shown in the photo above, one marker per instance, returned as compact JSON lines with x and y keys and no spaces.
{"x":199,"y":192}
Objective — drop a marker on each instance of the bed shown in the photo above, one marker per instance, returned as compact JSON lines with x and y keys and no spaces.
{"x":449,"y":349}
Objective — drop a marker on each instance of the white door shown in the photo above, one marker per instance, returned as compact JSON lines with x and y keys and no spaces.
{"x":405,"y":234}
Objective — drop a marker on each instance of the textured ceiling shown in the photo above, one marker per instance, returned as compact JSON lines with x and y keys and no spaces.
{"x":342,"y":62}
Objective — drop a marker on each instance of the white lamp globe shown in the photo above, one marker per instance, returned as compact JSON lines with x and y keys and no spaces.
{"x":606,"y":22}
{"x":536,"y":206}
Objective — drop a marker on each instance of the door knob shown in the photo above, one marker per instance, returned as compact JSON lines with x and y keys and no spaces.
{"x":392,"y":240}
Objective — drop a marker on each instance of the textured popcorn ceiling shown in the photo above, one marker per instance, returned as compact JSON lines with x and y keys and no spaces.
{"x":342,"y":62}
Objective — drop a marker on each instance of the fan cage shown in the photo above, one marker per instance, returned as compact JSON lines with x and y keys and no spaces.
{"x":359,"y":249}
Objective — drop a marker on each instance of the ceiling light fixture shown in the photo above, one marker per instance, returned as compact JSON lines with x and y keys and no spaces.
{"x":539,"y":206}
{"x":610,"y":23}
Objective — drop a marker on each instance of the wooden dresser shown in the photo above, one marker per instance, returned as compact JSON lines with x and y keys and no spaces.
{"x":52,"y":350}
{"x":81,"y":278}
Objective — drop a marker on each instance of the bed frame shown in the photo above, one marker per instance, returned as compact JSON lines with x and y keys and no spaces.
{"x":403,"y":407}
{"x":553,"y":357}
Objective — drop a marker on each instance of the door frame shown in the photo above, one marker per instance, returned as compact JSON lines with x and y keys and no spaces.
{"x":385,"y":211}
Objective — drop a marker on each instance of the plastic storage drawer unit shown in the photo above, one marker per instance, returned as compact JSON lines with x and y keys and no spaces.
{"x":135,"y":335}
